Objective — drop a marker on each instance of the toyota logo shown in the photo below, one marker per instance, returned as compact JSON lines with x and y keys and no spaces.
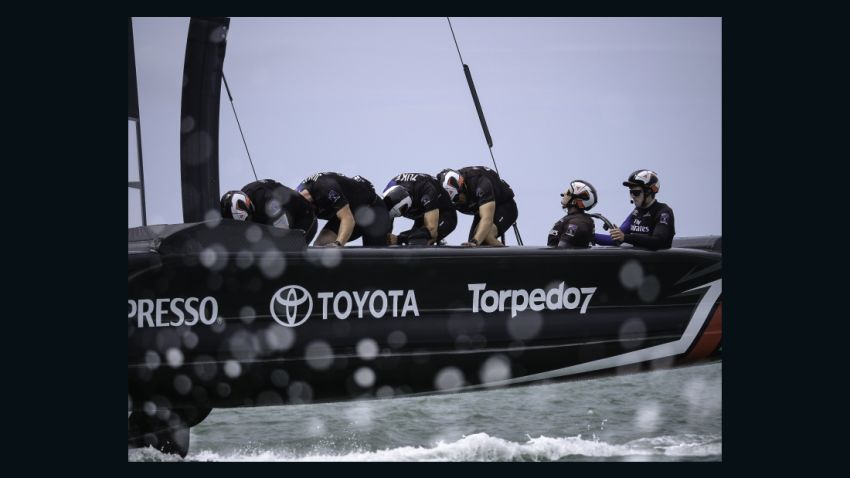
{"x":286,"y":303}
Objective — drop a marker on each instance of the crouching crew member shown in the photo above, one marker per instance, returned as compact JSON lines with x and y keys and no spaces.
{"x":418,"y":196}
{"x":268,"y":202}
{"x":478,"y":190}
{"x":351,"y":207}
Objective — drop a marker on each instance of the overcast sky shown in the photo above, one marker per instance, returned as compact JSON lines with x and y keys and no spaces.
{"x":564,"y":98}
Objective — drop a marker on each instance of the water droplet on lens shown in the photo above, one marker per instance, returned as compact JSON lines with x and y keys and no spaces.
{"x":319,"y":355}
{"x":232,"y":368}
{"x":364,"y":377}
{"x":367,"y":349}
{"x":631,"y":274}
{"x":449,"y":378}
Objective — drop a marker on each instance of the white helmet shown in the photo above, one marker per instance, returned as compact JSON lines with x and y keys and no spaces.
{"x":452,"y":182}
{"x":582,"y":195}
{"x":645,"y":179}
{"x":237,"y":205}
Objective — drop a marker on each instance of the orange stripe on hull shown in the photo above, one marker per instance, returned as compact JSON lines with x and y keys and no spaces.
{"x":710,"y":338}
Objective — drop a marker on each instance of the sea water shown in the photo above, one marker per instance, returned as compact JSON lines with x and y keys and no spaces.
{"x":663,"y":415}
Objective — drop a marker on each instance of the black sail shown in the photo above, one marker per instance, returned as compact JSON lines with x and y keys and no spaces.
{"x":202,"y":71}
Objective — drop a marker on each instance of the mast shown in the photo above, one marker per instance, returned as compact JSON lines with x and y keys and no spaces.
{"x":133,"y":115}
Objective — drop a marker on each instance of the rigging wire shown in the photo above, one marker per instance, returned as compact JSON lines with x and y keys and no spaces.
{"x":487,"y":136}
{"x":455,"y":39}
{"x":227,"y":87}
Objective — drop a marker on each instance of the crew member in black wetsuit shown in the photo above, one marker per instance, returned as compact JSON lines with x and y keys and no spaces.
{"x":478,"y":190}
{"x":418,"y":196}
{"x":576,"y":228}
{"x":651,"y":225}
{"x":351,"y":207}
{"x":268,"y":202}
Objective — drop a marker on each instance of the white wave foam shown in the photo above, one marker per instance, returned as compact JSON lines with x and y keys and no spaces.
{"x":149,"y":454}
{"x":483,"y":447}
{"x":686,"y":445}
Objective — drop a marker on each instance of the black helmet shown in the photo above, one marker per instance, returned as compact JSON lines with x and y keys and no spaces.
{"x":237,"y":205}
{"x":307,"y":182}
{"x":582,"y":194}
{"x":644,"y":178}
{"x":398,"y":200}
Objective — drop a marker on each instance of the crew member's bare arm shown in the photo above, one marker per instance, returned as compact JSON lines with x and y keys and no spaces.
{"x":485,"y":228}
{"x":346,"y":224}
{"x":431,"y":219}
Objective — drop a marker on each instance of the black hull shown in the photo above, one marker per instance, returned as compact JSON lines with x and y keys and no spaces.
{"x":414,"y":325}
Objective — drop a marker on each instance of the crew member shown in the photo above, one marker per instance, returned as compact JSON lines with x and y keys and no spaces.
{"x":351,"y":207}
{"x":268,"y":202}
{"x":576,"y":228}
{"x":478,"y":190}
{"x":651,"y":224}
{"x":418,"y":196}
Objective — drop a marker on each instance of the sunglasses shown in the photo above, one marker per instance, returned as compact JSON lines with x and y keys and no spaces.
{"x":635,"y":193}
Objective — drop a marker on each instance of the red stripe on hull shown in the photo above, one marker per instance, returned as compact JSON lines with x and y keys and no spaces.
{"x":710,"y":338}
